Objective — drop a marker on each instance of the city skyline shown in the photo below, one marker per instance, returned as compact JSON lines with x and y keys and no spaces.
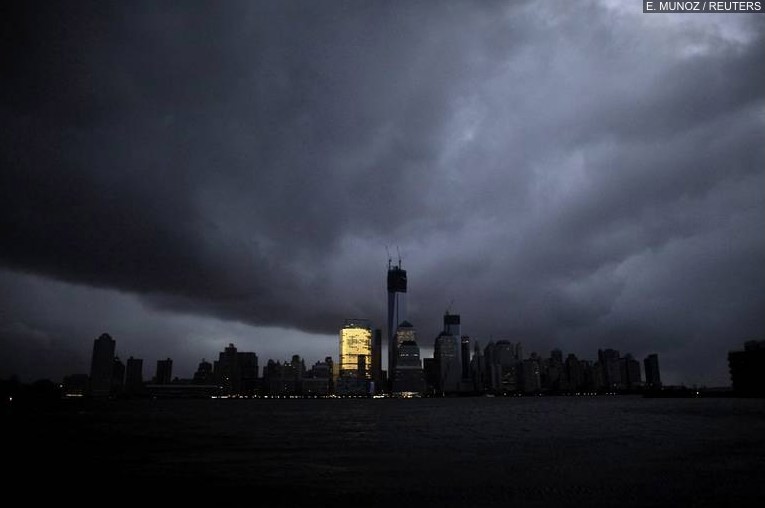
{"x":499,"y":368}
{"x":396,"y":282}
{"x":569,"y":175}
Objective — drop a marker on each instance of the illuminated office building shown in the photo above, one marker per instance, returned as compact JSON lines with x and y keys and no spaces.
{"x":356,"y":349}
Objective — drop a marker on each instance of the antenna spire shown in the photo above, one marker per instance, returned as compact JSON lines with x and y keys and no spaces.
{"x":399,"y":256}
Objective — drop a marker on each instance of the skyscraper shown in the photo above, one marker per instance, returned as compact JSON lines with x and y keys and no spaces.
{"x":478,"y":369}
{"x":134,"y":375}
{"x":164,"y":372}
{"x":452,"y":324}
{"x":573,"y":369}
{"x":227,"y":370}
{"x":118,"y":376}
{"x":405,"y":332}
{"x":530,"y":375}
{"x":101,"y":365}
{"x":503,"y":366}
{"x":465,"y":354}
{"x":204,"y":374}
{"x":446,"y":352}
{"x":747,"y":369}
{"x":396,"y":309}
{"x":236,"y":371}
{"x":652,"y":376}
{"x":631,"y":372}
{"x":612,"y":372}
{"x":409,"y":375}
{"x":248,"y":372}
{"x":356,"y":349}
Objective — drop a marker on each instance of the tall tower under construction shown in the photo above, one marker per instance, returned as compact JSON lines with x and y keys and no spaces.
{"x":396,"y":309}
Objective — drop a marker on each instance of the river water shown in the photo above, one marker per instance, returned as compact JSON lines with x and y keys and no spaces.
{"x":530,"y":451}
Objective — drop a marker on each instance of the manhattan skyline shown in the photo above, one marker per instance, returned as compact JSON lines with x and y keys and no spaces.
{"x":565,"y":175}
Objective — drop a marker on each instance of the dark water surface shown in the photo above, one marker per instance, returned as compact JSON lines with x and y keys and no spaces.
{"x":551,"y":451}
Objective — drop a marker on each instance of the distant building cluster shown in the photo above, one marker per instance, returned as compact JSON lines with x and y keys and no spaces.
{"x":459,"y":366}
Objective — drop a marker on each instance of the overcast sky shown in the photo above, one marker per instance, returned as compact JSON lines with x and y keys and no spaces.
{"x":569,"y":174}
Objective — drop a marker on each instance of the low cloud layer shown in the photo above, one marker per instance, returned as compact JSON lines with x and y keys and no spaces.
{"x":577,"y":175}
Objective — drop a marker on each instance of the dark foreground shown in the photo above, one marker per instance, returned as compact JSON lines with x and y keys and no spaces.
{"x":555,"y":451}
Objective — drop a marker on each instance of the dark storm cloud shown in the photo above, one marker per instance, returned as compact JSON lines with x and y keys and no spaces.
{"x":48,"y":328}
{"x":574,"y":174}
{"x":207,"y":157}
